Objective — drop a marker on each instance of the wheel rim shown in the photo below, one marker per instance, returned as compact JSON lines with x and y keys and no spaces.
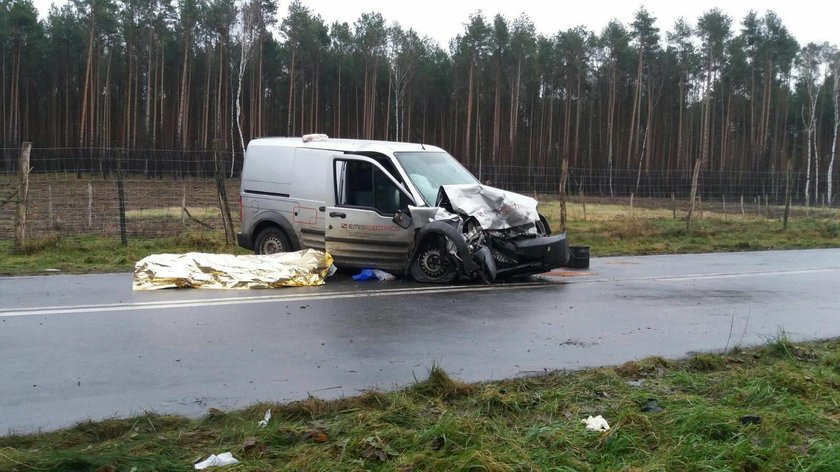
{"x":272,"y":245}
{"x":432,"y":263}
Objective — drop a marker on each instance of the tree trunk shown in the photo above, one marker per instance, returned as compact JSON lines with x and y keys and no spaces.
{"x":834,"y":137}
{"x":611,"y":125}
{"x":182,"y":95}
{"x":86,"y":88}
{"x":290,"y":110}
{"x":468,"y":127}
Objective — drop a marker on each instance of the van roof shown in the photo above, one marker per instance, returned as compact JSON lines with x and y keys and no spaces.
{"x":346,"y":145}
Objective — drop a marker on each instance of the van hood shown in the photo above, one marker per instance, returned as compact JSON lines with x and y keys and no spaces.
{"x":492,"y":208}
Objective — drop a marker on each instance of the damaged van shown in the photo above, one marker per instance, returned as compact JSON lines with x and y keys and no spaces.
{"x":400,"y":207}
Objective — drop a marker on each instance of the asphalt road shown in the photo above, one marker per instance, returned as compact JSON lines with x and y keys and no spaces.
{"x":76,"y":347}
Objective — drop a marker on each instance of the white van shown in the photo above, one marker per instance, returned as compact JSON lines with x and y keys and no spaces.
{"x":400,"y":207}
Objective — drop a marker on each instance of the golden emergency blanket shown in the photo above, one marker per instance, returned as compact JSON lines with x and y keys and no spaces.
{"x":200,"y":270}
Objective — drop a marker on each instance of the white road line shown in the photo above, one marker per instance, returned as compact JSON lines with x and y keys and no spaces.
{"x":293,"y":295}
{"x":720,"y":275}
{"x":298,"y":297}
{"x":59,"y":310}
{"x":751,"y":274}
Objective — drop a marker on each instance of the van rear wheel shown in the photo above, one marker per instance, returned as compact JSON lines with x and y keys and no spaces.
{"x":272,"y":241}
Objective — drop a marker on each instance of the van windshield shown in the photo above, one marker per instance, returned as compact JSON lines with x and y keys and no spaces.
{"x":429,"y":170}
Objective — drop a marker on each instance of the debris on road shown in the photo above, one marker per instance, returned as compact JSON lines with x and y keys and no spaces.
{"x":597,"y":423}
{"x":264,"y":422}
{"x":225,"y":458}
{"x":227,"y":271}
{"x":373,"y":274}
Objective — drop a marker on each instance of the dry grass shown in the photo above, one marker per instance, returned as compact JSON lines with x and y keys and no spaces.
{"x":171,"y":212}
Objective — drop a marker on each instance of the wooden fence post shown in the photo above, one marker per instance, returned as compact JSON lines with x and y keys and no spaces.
{"x":184,"y":205}
{"x":90,"y":206}
{"x":787,"y":195}
{"x":564,"y":175}
{"x":694,"y":179}
{"x":224,"y":207}
{"x":723,"y":198}
{"x":121,"y":196}
{"x":583,"y":201}
{"x":674,"y":204}
{"x":23,"y":196}
{"x":50,"y":206}
{"x":700,"y":202}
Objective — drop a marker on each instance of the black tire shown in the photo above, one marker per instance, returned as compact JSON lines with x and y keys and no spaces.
{"x":432,"y":264}
{"x":272,"y":240}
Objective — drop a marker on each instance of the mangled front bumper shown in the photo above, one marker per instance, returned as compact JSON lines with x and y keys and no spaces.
{"x":548,"y":251}
{"x":531,"y":255}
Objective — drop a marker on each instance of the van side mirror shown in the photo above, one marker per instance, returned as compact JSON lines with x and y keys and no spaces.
{"x":402,"y":219}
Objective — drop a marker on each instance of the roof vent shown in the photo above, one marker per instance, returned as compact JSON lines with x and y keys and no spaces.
{"x":308,"y":138}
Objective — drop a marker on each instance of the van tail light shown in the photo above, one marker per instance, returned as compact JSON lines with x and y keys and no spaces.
{"x":240,"y":210}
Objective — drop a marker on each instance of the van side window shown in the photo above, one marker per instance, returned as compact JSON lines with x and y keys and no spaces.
{"x":361,"y":184}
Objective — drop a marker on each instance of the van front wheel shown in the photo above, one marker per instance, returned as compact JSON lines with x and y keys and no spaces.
{"x":432,"y":264}
{"x":272,"y":241}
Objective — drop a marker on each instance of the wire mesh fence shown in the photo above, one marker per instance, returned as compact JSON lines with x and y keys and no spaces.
{"x":74,"y":191}
{"x":713,"y":185}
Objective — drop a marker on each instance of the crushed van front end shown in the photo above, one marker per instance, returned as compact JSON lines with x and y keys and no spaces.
{"x":478,"y":231}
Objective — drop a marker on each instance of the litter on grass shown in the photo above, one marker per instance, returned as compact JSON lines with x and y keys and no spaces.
{"x":264,"y":422}
{"x":597,"y":423}
{"x":225,"y":458}
{"x":226,"y":271}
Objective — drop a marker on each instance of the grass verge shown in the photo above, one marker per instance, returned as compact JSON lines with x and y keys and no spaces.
{"x":617,"y":230}
{"x":771,"y":408}
{"x":608,"y":229}
{"x":628,"y":236}
{"x":88,"y":254}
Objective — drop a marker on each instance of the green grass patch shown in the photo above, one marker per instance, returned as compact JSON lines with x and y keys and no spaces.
{"x":609,"y":230}
{"x":637,"y":236}
{"x":88,"y":254}
{"x":771,"y":408}
{"x":617,"y":230}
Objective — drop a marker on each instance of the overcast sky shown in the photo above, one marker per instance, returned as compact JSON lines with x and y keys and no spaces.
{"x":807,"y":20}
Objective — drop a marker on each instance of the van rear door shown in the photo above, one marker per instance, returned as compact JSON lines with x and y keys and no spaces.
{"x":359,"y":230}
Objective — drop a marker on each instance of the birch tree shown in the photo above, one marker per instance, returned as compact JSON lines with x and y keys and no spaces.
{"x":246,"y":36}
{"x":405,"y":48}
{"x":810,"y":64}
{"x":834,"y":56}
